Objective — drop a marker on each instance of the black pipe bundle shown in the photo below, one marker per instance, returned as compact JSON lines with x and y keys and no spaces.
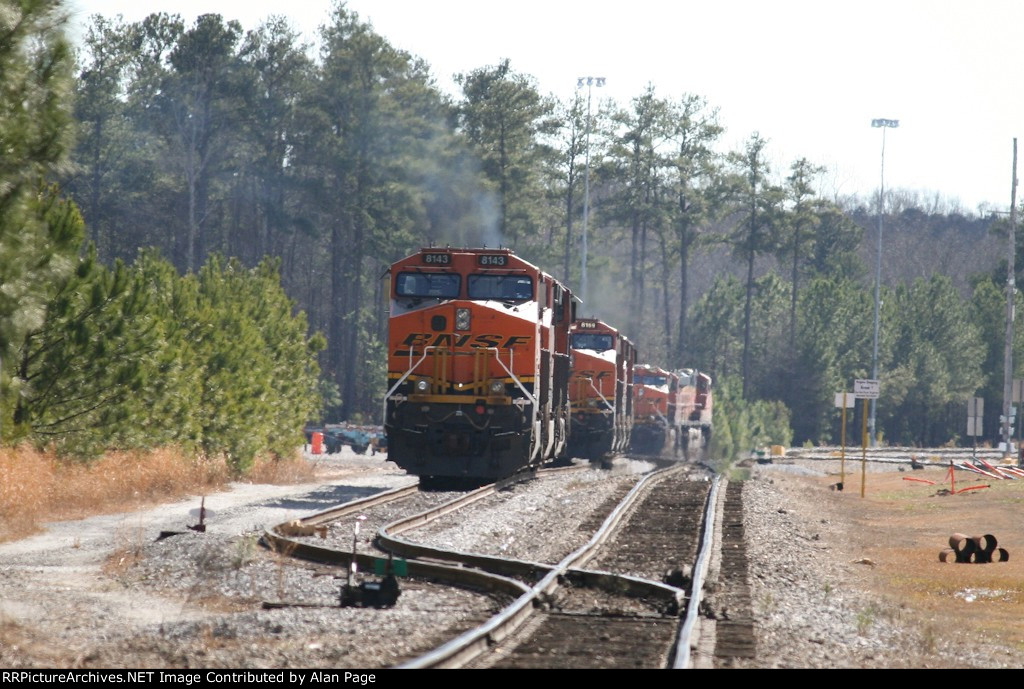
{"x":974,"y":549}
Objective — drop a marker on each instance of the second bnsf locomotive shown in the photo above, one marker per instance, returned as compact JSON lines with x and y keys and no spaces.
{"x":478,"y":364}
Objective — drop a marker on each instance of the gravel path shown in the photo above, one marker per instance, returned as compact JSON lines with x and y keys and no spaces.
{"x":102,"y":592}
{"x":809,"y":609}
{"x":816,"y":601}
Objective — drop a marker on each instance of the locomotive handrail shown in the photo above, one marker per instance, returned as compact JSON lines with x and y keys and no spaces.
{"x":533,"y":400}
{"x":497,"y":357}
{"x":405,"y":375}
{"x":511,"y":375}
{"x":603,"y":398}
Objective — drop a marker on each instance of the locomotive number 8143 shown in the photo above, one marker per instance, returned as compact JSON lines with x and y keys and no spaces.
{"x":478,"y":364}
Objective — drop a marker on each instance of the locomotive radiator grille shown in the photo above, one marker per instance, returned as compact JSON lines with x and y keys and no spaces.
{"x":444,"y":372}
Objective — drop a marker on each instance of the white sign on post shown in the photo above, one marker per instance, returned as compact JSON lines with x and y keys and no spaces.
{"x":850,"y":400}
{"x":866,"y":389}
{"x":975,"y":413}
{"x":974,"y":426}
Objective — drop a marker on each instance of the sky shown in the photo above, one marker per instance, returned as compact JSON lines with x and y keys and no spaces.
{"x":807,"y":75}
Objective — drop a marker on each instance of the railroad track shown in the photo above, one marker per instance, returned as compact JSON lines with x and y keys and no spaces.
{"x":598,"y":620}
{"x":448,"y":571}
{"x":939,"y":456}
{"x":561,"y":613}
{"x":379,"y":510}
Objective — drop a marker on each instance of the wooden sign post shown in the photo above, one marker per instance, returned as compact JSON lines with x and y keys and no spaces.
{"x":844,"y":401}
{"x":865,"y":389}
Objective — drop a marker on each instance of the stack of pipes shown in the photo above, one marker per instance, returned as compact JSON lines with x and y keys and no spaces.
{"x":974,"y":549}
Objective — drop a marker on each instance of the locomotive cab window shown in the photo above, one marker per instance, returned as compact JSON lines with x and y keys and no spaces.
{"x":652,"y":380}
{"x":501,"y":287}
{"x":440,"y":285}
{"x":595,"y":341}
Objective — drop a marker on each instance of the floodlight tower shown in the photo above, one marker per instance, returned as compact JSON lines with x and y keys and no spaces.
{"x":589,"y":82}
{"x":883,"y":124}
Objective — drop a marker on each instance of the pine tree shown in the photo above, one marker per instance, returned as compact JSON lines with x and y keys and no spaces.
{"x":80,"y":374}
{"x":696,"y":188}
{"x":505,"y":117}
{"x":756,"y":233}
{"x":35,"y":250}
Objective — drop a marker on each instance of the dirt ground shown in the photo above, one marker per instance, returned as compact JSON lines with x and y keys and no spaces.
{"x":897,"y":532}
{"x":63,"y":601}
{"x":885,"y":545}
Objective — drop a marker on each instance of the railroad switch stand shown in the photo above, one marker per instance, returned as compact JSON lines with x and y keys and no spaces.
{"x":371,"y":594}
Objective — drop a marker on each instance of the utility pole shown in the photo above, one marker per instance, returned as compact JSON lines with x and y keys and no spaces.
{"x":1010,"y":294}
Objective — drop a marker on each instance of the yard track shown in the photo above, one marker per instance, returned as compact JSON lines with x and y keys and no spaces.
{"x":605,"y":605}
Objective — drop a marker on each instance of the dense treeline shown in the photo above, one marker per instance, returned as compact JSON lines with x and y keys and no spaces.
{"x":111,"y":355}
{"x":206,"y":140}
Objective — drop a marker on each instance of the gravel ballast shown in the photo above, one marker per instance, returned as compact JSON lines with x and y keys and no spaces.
{"x":102,"y":592}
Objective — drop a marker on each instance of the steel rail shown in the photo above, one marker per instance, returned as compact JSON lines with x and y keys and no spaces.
{"x":483,"y":572}
{"x":468,"y":645}
{"x":359,"y":505}
{"x":275,"y":540}
{"x":453,"y":574}
{"x":388,"y":536}
{"x":681,"y":651}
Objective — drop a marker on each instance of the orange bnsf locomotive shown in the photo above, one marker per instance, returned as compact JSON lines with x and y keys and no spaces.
{"x":478,"y":364}
{"x":600,"y":390}
{"x":656,"y":412}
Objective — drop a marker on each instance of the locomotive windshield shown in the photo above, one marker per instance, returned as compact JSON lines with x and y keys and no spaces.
{"x":441,"y":285}
{"x":651,"y":380}
{"x":501,"y":287}
{"x":595,"y":341}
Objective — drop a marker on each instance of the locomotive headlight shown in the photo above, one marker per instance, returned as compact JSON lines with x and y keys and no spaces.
{"x":422,"y":386}
{"x":497,"y":386}
{"x":462,"y":319}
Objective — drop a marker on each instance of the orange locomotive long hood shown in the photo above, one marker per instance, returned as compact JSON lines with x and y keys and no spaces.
{"x":650,"y":402}
{"x":599,"y":368}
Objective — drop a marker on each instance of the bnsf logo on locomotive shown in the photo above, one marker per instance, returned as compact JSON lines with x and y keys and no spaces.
{"x":599,"y":375}
{"x":420,"y":340}
{"x":437,"y":259}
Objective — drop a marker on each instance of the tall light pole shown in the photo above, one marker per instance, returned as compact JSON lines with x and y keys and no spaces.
{"x":580,"y":83}
{"x":1010,"y":293}
{"x":884,"y":124}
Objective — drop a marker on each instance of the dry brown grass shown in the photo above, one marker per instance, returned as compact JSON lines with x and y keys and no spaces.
{"x":282,"y":471}
{"x":37,"y":487}
{"x":902,"y":525}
